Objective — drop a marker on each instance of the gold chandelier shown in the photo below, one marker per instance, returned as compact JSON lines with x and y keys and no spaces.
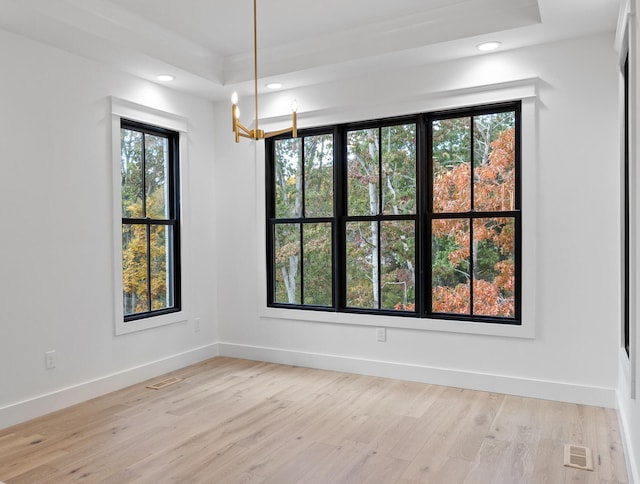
{"x":240,"y":129}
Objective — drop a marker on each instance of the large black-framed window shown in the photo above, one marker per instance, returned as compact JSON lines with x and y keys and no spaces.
{"x":626,"y":213}
{"x":421,"y":217}
{"x":149,"y":168}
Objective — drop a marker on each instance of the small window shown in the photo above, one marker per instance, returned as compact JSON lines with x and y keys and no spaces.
{"x":150,"y":220}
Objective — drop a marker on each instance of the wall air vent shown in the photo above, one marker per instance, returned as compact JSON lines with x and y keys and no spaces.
{"x":164,"y":383}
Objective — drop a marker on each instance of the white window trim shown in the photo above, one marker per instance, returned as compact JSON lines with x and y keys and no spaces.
{"x":627,"y":42}
{"x":524,"y":90}
{"x":121,"y":108}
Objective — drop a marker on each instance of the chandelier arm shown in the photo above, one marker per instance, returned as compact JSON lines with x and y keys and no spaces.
{"x":240,"y":130}
{"x":293,"y":129}
{"x":276,"y":133}
{"x":243,"y":128}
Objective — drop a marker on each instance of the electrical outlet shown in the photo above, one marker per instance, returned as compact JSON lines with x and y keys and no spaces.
{"x":196,"y":325}
{"x":50,"y":360}
{"x":381,"y":334}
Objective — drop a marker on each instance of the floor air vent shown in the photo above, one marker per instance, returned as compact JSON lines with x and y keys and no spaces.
{"x":164,"y":383}
{"x":578,"y":457}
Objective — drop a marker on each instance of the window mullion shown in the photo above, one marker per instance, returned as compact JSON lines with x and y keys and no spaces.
{"x":424,"y":259}
{"x":144,"y":175}
{"x":303,"y":214}
{"x":380,"y":188}
{"x":149,"y":305}
{"x":471,"y":266}
{"x":340,"y":230}
{"x":472,"y":152}
{"x":379,"y":222}
{"x":301,"y":262}
{"x":303,"y":203}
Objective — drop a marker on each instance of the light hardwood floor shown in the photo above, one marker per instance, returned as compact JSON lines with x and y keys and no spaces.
{"x":237,"y":421}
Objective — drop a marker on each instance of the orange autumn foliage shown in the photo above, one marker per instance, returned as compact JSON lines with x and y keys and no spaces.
{"x":494,"y":190}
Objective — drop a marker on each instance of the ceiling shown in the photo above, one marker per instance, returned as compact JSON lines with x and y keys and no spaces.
{"x":207,"y":44}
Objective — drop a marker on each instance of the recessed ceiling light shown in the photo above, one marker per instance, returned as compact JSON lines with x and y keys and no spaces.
{"x":165,"y":77}
{"x":486,"y":46}
{"x":274,"y":85}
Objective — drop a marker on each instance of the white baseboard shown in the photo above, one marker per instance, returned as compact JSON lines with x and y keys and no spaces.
{"x":625,"y":430}
{"x":65,"y":397}
{"x":547,"y":390}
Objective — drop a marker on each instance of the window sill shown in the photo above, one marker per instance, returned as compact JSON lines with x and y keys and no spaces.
{"x":126,"y":327}
{"x":421,"y":324}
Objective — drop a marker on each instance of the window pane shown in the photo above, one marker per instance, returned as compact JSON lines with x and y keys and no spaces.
{"x":494,"y":267}
{"x":161,"y":267}
{"x":131,"y":173}
{"x":494,"y":161}
{"x":134,"y":268}
{"x":399,"y":169}
{"x":317,"y":264}
{"x":363,"y":172}
{"x":451,"y":165}
{"x":398,"y":265}
{"x":362,"y":265}
{"x":288,"y":178}
{"x":287,"y":263}
{"x":157,"y":169}
{"x":450,"y":266}
{"x":318,"y":165}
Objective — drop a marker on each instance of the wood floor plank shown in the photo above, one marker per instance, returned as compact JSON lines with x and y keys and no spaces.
{"x":301,"y":464}
{"x":238,"y":421}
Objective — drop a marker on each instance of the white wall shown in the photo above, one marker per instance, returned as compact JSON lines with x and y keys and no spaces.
{"x":56,"y":254}
{"x":573,"y":356}
{"x":628,"y":399}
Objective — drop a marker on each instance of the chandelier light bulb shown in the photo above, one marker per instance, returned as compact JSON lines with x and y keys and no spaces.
{"x":294,"y":106}
{"x":234,"y":98}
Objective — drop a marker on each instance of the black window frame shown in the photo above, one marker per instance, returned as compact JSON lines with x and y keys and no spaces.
{"x":473,"y":214}
{"x":422,"y":217}
{"x":626,"y":269}
{"x":344,"y":217}
{"x":173,"y":203}
{"x":302,"y":220}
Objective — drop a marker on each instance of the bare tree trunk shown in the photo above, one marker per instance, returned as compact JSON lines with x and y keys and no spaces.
{"x":289,"y":278}
{"x":374,"y":209}
{"x":375,"y":269}
{"x":394,"y":196}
